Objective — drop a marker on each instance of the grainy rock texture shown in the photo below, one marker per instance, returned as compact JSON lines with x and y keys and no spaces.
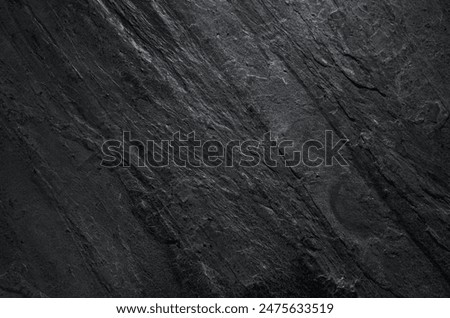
{"x":74,"y":73}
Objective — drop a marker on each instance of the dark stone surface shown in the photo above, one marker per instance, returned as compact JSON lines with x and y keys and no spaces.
{"x":74,"y":73}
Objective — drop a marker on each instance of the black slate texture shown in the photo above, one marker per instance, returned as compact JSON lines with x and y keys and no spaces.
{"x":75,"y":73}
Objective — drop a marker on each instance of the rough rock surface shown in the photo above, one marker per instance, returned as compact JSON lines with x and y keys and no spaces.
{"x":77,"y":72}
